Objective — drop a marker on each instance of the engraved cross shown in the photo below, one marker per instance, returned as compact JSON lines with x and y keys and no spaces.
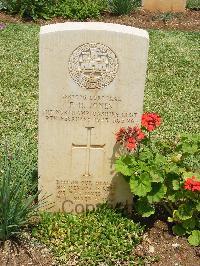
{"x":88,"y":148}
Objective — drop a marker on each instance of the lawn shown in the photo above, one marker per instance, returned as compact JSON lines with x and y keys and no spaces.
{"x":171,"y":86}
{"x":173,"y":79}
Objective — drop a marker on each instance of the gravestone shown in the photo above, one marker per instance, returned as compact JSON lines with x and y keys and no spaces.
{"x":164,"y":5}
{"x":92,"y":78}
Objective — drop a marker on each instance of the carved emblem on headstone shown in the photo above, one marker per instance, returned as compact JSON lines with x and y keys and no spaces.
{"x":93,"y":65}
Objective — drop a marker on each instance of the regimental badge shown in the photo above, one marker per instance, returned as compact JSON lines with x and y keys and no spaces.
{"x":93,"y":65}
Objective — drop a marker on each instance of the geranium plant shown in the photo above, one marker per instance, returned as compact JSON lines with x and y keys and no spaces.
{"x":162,"y":172}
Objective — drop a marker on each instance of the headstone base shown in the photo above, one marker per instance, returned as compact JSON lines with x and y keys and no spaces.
{"x":164,"y":6}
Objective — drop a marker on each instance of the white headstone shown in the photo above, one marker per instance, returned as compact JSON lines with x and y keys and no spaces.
{"x":92,"y":78}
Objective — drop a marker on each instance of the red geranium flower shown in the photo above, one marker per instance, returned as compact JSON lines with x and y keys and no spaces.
{"x":141,"y":135}
{"x":151,"y":121}
{"x":130,"y":137}
{"x":131,"y":140}
{"x":192,"y":184}
{"x":136,"y":133}
{"x":120,"y":134}
{"x":131,"y":144}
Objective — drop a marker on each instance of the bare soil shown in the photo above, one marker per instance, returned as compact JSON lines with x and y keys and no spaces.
{"x":188,"y":21}
{"x":160,"y":247}
{"x":24,"y":254}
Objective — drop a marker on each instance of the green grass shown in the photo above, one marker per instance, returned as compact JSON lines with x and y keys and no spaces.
{"x":92,"y":238}
{"x":171,"y":86}
{"x":193,"y":4}
{"x":172,"y":83}
{"x":19,"y":87}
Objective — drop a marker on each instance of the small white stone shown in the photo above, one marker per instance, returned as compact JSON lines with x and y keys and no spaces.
{"x":175,"y":245}
{"x":151,"y":249}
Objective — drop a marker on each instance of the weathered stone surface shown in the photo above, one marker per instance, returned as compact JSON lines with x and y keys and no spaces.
{"x":164,"y":5}
{"x":92,"y":78}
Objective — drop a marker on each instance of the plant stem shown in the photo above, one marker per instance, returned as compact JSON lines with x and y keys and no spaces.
{"x":138,"y":151}
{"x":171,"y":206}
{"x":168,"y":209}
{"x":150,"y":141}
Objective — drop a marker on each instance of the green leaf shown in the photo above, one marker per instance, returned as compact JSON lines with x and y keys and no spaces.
{"x":170,"y":219}
{"x":197,"y":175}
{"x":146,"y":154}
{"x":189,"y":175}
{"x":175,"y":196}
{"x":176,"y":158}
{"x":128,"y":159}
{"x":198,"y":206}
{"x":171,"y":197}
{"x":122,"y":168}
{"x":140,"y":185}
{"x":160,"y":159}
{"x":178,"y":230}
{"x":176,"y":184}
{"x":172,"y":168}
{"x":189,"y":224}
{"x":157,"y":193}
{"x":143,"y":167}
{"x":188,"y":148}
{"x":156,"y":176}
{"x":184,"y":211}
{"x":194,"y":238}
{"x":144,"y":208}
{"x":133,"y":161}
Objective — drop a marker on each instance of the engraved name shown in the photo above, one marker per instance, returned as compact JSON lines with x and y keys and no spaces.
{"x":87,"y":108}
{"x":90,"y":116}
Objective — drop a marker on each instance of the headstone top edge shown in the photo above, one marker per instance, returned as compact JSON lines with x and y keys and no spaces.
{"x":98,"y":26}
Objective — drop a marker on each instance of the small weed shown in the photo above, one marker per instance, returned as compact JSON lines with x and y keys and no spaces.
{"x":167,"y":16}
{"x":17,"y":197}
{"x":119,"y":7}
{"x":103,"y":235}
